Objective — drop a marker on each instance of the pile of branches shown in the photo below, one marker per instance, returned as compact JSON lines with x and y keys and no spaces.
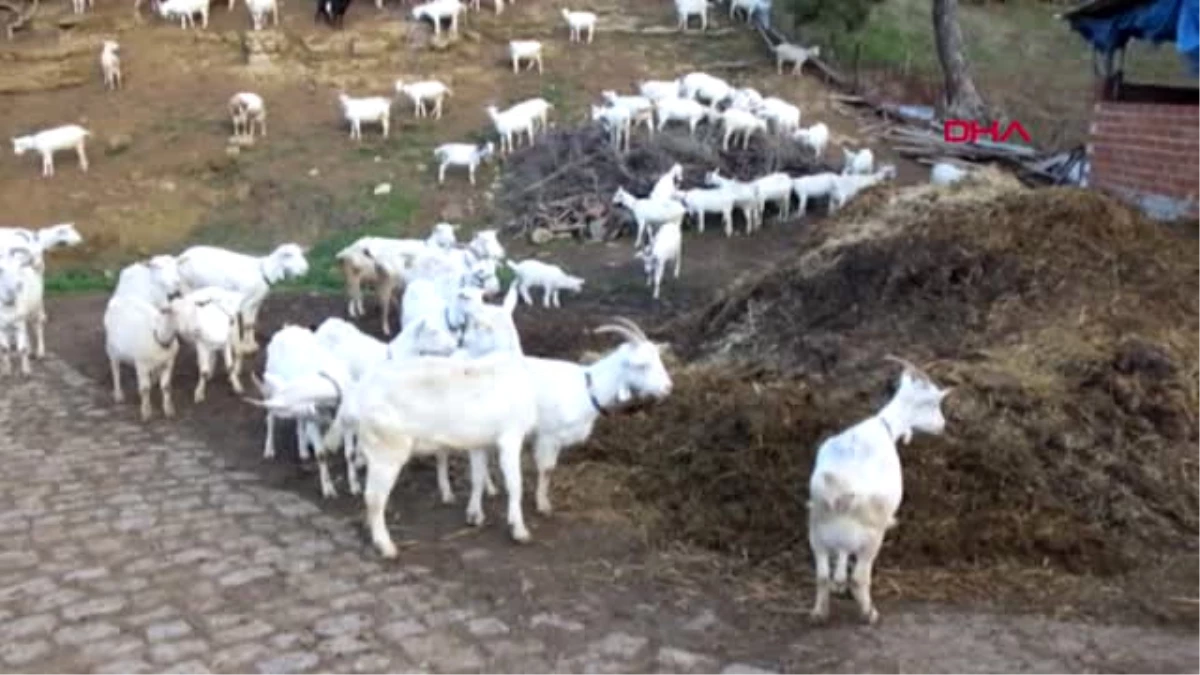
{"x":564,"y":183}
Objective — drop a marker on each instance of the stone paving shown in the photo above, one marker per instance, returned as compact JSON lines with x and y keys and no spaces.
{"x":130,"y":548}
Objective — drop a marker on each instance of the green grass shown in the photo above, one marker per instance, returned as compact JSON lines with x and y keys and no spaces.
{"x":79,"y":281}
{"x":384,"y":216}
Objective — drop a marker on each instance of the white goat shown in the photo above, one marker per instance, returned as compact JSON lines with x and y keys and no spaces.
{"x":656,"y":90}
{"x":667,"y":184}
{"x":80,"y":6}
{"x":745,"y":196}
{"x":945,"y":173}
{"x":252,"y":276}
{"x":847,"y":186}
{"x":431,"y":404}
{"x":373,"y":109}
{"x":775,"y":188}
{"x":46,"y":143}
{"x":462,"y":154}
{"x":424,"y":92}
{"x":641,"y":109}
{"x":783,"y":116}
{"x":680,"y":110}
{"x":400,"y":261}
{"x":438,"y":11}
{"x":699,"y":202}
{"x":247,"y":110}
{"x":185,"y":10}
{"x":649,"y":213}
{"x":110,"y":64}
{"x":665,"y":246}
{"x":298,"y":362}
{"x":794,"y":54}
{"x":737,"y":122}
{"x":509,"y":125}
{"x":259,"y":9}
{"x":815,"y":137}
{"x":861,"y":162}
{"x":489,"y":329}
{"x":525,"y":50}
{"x":685,"y":9}
{"x":361,"y":353}
{"x":207,"y":318}
{"x":22,"y":290}
{"x":747,"y":6}
{"x":705,"y":87}
{"x":814,"y":185}
{"x":570,"y":397}
{"x":578,"y":22}
{"x":618,"y":122}
{"x":538,"y":110}
{"x":746,"y":98}
{"x":551,"y":278}
{"x":155,"y":280}
{"x":141,"y":332}
{"x":39,"y":241}
{"x":857,"y":485}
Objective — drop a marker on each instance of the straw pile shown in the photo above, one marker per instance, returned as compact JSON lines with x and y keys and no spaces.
{"x":1067,"y":323}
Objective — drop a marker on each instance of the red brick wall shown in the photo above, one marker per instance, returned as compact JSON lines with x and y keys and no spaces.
{"x":1146,"y":149}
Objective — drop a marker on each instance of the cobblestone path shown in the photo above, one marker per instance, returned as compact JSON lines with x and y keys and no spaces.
{"x":130,"y":548}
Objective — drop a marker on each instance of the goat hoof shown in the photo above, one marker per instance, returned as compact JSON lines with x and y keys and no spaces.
{"x":475,"y":519}
{"x":447,"y":498}
{"x":198,"y":397}
{"x":544,"y":508}
{"x":329,"y":492}
{"x":871,"y":617}
{"x":521,"y":535}
{"x":387,"y":549}
{"x":818,"y":617}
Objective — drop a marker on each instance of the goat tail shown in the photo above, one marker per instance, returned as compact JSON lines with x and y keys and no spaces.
{"x":334,"y":435}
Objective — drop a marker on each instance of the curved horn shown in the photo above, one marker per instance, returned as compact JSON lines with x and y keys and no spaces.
{"x":619,"y":330}
{"x":910,"y":367}
{"x":628,"y":323}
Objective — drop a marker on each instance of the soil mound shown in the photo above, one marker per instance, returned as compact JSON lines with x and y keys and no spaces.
{"x":1067,"y":323}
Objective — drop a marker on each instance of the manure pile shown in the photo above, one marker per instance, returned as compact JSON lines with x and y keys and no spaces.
{"x":1067,"y":323}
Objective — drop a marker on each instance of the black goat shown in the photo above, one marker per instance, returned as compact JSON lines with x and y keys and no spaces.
{"x":332,"y":11}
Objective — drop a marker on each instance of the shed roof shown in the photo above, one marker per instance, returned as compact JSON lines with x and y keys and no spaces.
{"x":1102,"y":8}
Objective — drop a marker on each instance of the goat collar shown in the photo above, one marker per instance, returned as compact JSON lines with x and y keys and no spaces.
{"x":337,"y":388}
{"x":891,"y":434}
{"x":591,"y":392}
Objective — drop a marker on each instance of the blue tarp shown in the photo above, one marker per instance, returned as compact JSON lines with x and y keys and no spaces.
{"x":1153,"y":22}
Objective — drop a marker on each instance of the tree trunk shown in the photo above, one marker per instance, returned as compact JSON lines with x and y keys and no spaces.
{"x":960,"y":99}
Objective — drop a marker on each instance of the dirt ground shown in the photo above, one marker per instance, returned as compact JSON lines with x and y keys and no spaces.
{"x":162,"y":177}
